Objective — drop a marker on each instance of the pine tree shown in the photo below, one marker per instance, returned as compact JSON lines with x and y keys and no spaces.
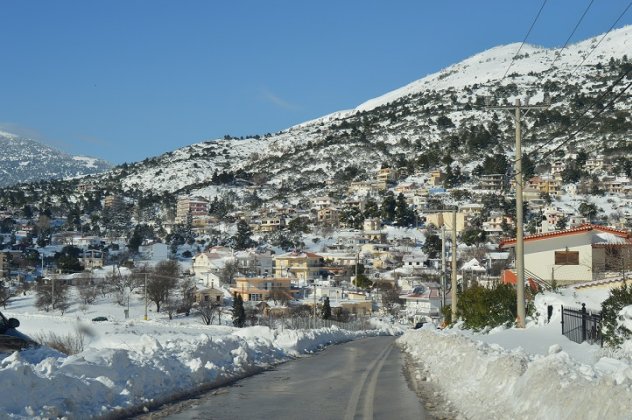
{"x":326,"y":309}
{"x":404,"y":215}
{"x":388,"y":207}
{"x":239,"y":313}
{"x":242,"y":238}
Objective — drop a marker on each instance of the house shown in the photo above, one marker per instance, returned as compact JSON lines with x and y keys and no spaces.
{"x":91,"y":259}
{"x":494,"y":224}
{"x":264,"y":288}
{"x":210,"y":295}
{"x":424,"y":301}
{"x":436,"y":178}
{"x":328,"y":215}
{"x":210,"y":264}
{"x":303,"y":266}
{"x":386,"y":175}
{"x":271,"y":223}
{"x":493,"y":182}
{"x":255,"y":263}
{"x":580,"y":254}
{"x":191,"y":207}
{"x":439,"y":219}
{"x":372,"y":230}
{"x":414,"y":260}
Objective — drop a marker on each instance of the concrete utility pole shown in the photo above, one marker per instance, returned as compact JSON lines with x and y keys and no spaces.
{"x":453,"y":294}
{"x":444,"y":282}
{"x":518,"y":108}
{"x":145,"y":296}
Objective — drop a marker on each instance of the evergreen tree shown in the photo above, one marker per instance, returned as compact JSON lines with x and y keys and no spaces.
{"x":239,"y":313}
{"x":562,"y":223}
{"x":371,"y":208}
{"x":242,"y":238}
{"x":432,"y":246}
{"x":404,"y":215}
{"x":351,"y":217}
{"x":388,"y":207}
{"x":326,"y":309}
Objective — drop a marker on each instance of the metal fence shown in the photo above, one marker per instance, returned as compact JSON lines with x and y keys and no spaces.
{"x":580,"y":325}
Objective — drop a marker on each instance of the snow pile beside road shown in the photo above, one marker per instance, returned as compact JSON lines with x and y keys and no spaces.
{"x":485,"y":381}
{"x":130,"y":375}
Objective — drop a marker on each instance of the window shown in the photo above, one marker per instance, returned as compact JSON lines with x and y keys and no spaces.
{"x":566,"y":257}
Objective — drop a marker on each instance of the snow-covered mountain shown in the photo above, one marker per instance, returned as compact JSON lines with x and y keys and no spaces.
{"x":25,"y":160}
{"x":438,"y":120}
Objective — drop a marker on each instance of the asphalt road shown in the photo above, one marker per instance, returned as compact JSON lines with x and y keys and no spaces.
{"x":363,"y":379}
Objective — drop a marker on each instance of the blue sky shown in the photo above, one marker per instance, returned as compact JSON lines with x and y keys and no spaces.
{"x":125,"y":80}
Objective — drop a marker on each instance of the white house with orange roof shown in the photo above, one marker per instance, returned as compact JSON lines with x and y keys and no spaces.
{"x":581,"y":254}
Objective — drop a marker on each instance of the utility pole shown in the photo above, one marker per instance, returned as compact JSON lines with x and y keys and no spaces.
{"x":444,"y":282}
{"x":145,"y":296}
{"x":518,"y":108}
{"x":453,"y":294}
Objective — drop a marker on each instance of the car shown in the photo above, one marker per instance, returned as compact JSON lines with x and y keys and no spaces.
{"x":11,"y":339}
{"x":99,"y":319}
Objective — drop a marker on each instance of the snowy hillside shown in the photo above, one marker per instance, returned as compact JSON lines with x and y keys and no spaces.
{"x":25,"y":160}
{"x":416,"y":127}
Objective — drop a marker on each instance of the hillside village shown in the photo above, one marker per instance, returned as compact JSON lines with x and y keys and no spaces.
{"x":358,"y":207}
{"x":375,"y":249}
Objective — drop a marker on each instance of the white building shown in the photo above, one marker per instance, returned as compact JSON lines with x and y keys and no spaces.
{"x":570,"y":256}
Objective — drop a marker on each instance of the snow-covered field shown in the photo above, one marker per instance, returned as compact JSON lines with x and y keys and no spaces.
{"x":130,"y":364}
{"x":531,"y":373}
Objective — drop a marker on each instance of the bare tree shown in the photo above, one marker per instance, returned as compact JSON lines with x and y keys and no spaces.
{"x":279,"y":295}
{"x":227,"y":275}
{"x":5,"y":295}
{"x":187,"y":296}
{"x":391,"y":301}
{"x":162,"y":281}
{"x":87,"y":293}
{"x":208,"y":310}
{"x":45,"y":299}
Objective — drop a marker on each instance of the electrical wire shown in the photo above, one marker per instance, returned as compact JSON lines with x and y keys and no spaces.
{"x":602,"y":38}
{"x":598,"y":100}
{"x":524,"y":40}
{"x":581,"y":128}
{"x":559,"y":53}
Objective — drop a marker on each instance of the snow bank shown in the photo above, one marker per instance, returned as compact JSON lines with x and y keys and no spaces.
{"x":485,"y":381}
{"x":126,"y":376}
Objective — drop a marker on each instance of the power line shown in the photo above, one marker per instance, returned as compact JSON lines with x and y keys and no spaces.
{"x":524,"y":40}
{"x":602,"y":38}
{"x":598,"y":100}
{"x":580,"y":129}
{"x":559,"y":53}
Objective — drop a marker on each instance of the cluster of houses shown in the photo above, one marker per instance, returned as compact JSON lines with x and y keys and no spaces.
{"x":580,"y":252}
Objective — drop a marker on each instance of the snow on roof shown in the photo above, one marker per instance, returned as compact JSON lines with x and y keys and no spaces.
{"x":622,"y":234}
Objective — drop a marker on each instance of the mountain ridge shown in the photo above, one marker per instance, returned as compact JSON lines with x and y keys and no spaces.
{"x":26,"y":160}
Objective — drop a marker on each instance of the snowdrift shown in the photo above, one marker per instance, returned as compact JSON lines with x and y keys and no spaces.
{"x":130,"y":376}
{"x":485,"y":381}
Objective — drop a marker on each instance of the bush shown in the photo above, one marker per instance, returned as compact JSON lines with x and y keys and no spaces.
{"x":480,"y":307}
{"x":68,"y":344}
{"x":614,"y":335}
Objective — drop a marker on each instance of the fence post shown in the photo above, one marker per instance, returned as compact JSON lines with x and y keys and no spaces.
{"x":562,"y":309}
{"x":583,"y":322}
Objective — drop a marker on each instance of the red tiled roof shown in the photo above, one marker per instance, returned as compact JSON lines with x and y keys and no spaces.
{"x":579,"y":229}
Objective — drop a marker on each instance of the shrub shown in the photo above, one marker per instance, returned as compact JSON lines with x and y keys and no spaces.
{"x":480,"y":307}
{"x":613,"y":334}
{"x":68,"y":344}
